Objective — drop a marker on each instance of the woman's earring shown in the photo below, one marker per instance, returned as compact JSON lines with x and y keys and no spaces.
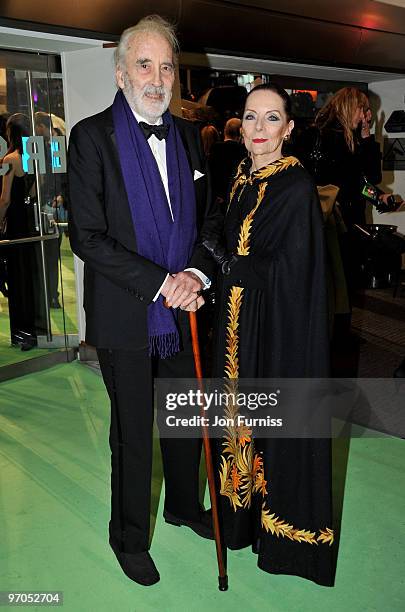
{"x":287,"y":137}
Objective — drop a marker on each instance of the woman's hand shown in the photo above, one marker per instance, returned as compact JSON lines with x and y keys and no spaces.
{"x":220,"y":255}
{"x":387,"y":203}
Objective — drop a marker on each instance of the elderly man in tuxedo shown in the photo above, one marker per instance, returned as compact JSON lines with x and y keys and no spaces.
{"x":139,"y":193}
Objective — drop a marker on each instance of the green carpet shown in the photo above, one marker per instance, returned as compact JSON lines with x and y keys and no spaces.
{"x":54,"y":510}
{"x":61,"y":319}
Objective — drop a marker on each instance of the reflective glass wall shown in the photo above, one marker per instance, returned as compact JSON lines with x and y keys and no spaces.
{"x":37,"y":287}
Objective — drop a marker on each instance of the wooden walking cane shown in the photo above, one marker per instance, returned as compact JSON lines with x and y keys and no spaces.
{"x":222,"y":578}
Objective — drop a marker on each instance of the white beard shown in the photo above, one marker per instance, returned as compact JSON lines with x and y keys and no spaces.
{"x":139,"y":101}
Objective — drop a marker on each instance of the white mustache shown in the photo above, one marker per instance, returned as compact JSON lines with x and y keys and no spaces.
{"x":154,"y":91}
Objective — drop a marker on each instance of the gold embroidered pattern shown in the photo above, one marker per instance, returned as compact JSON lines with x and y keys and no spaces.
{"x":232,"y":335}
{"x":244,"y":235}
{"x":275,"y":167}
{"x":243,"y":179}
{"x":278,"y":527}
{"x":241,"y":470}
{"x":238,"y":181}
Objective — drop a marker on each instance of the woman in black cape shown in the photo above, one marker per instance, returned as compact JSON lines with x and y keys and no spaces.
{"x":272,"y":323}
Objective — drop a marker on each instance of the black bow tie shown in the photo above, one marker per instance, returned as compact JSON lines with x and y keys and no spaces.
{"x":160,"y":131}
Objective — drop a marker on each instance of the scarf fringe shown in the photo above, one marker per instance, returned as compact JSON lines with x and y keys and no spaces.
{"x":164,"y":345}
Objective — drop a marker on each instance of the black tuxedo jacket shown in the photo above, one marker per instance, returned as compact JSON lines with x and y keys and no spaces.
{"x":118,"y":282}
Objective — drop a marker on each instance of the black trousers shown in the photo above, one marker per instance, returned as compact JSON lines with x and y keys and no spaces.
{"x":21,"y":291}
{"x":128,"y":376}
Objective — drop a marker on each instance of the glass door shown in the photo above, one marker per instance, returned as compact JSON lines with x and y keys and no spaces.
{"x":37,"y":292}
{"x":49,"y":127}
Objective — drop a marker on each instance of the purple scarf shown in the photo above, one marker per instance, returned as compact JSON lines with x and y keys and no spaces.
{"x":168,"y":244}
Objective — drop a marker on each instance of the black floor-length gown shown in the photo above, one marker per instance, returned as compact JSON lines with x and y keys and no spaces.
{"x":25,"y":286}
{"x":272,"y":323}
{"x":19,"y":265}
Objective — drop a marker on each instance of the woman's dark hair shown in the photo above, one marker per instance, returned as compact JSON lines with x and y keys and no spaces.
{"x":209,"y":136}
{"x":3,"y":122}
{"x":279,"y":91}
{"x":18,"y":125}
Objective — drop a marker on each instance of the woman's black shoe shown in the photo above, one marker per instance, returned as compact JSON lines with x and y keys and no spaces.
{"x":203,"y":527}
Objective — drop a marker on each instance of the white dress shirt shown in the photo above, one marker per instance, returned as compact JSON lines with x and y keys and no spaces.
{"x":158,"y":148}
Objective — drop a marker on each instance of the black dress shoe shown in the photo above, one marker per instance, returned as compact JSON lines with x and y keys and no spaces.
{"x":203,"y":527}
{"x":26,"y":346}
{"x":139,"y":567}
{"x":24,"y":340}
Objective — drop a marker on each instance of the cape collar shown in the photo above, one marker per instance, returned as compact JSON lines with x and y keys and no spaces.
{"x":273,"y":168}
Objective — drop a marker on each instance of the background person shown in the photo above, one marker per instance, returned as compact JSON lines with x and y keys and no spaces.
{"x":347,"y":151}
{"x":53,"y":192}
{"x":340,"y":151}
{"x":209,"y":136}
{"x":224,"y":158}
{"x":16,"y":187}
{"x":3,"y":261}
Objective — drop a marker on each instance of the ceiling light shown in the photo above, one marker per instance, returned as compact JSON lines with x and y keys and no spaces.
{"x":400,"y":3}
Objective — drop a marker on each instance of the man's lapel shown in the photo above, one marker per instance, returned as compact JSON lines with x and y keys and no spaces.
{"x":196,"y":161}
{"x":190,"y":146}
